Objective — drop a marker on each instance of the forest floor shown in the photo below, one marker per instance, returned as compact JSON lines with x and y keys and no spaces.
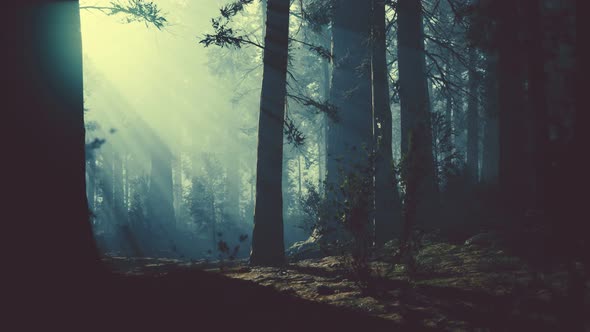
{"x":452,"y":288}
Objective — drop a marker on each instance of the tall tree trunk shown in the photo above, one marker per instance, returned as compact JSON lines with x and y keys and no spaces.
{"x":177,"y":183}
{"x":473,"y":119}
{"x":161,"y":192}
{"x":91,"y":192}
{"x":233,"y":190}
{"x":299,"y":178}
{"x":263,"y":9}
{"x":387,"y":200}
{"x":538,"y":102}
{"x":267,"y":235}
{"x":350,"y":138}
{"x":490,"y":156}
{"x":42,"y":57}
{"x":118,"y":188}
{"x":323,"y":143}
{"x":512,"y":169}
{"x":415,"y":106}
{"x":127,"y":183}
{"x":107,"y":205}
{"x":320,"y":144}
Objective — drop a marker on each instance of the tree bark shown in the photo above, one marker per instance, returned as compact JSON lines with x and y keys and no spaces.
{"x":161,"y":190}
{"x":387,"y":200}
{"x":42,"y":54}
{"x":118,"y":198}
{"x":473,"y":119}
{"x":415,"y":106}
{"x":267,"y":235}
{"x":512,"y":166}
{"x":350,"y":137}
{"x":490,"y":156}
{"x":538,"y":102}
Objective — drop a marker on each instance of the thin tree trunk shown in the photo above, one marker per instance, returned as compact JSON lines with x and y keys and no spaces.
{"x":177,"y":173}
{"x":387,"y":200}
{"x":267,"y":235}
{"x":490,"y":156}
{"x":127,"y":184}
{"x":92,"y":183}
{"x":326,"y":73}
{"x":118,"y":188}
{"x":473,"y":119}
{"x":299,"y":174}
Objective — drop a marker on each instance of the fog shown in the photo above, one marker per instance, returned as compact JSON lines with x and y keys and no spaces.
{"x":164,"y":103}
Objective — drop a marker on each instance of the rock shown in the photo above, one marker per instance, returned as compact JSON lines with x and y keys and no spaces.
{"x":307,"y":249}
{"x":488,"y":239}
{"x":324,"y":290}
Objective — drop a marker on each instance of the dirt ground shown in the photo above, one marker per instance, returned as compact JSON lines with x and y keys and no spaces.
{"x":453,"y":287}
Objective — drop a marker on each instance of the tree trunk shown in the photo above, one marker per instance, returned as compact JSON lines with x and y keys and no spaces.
{"x":473,"y":119}
{"x":233,"y":190}
{"x":161,"y":192}
{"x":538,"y":102}
{"x":326,"y":73}
{"x":387,"y":200}
{"x":263,"y":9}
{"x":177,"y":182}
{"x":42,"y":54}
{"x":92,"y":174}
{"x":512,"y":169}
{"x":299,"y":179}
{"x":118,"y":205}
{"x":490,"y":156}
{"x":350,"y":137}
{"x":127,"y":184}
{"x":415,"y":106}
{"x":267,"y":235}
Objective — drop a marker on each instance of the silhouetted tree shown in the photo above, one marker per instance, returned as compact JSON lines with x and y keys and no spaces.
{"x":415,"y":104}
{"x":387,"y":199}
{"x":267,"y":236}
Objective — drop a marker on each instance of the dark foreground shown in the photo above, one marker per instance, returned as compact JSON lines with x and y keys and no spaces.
{"x":452,"y":288}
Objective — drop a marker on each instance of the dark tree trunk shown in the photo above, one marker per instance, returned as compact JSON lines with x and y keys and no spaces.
{"x":323,"y":144}
{"x":42,"y":54}
{"x":512,"y":166}
{"x":267,"y":236}
{"x":387,"y":200}
{"x":473,"y":119}
{"x":299,"y":177}
{"x":490,"y":156}
{"x":538,"y":102}
{"x":415,"y":108}
{"x":350,"y":137}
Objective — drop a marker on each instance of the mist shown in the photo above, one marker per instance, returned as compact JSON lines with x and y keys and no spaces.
{"x":162,"y":102}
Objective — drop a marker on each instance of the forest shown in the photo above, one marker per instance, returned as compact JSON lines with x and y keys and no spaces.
{"x":375,"y":165}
